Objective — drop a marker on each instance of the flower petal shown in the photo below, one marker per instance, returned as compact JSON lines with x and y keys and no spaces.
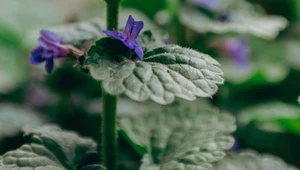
{"x":139,"y":51}
{"x":56,"y":49}
{"x":130,"y":44}
{"x":208,"y":4}
{"x":137,"y":27}
{"x":238,"y":50}
{"x":37,"y":56}
{"x":129,"y":25}
{"x":49,"y":65}
{"x":50,"y":36}
{"x":113,"y":33}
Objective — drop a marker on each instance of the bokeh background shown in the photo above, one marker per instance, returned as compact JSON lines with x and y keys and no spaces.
{"x":262,"y":93}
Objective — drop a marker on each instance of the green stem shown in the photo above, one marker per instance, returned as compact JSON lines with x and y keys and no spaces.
{"x":109,"y":117}
{"x":109,"y":131}
{"x":112,"y":14}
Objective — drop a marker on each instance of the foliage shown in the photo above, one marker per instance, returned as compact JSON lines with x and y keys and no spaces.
{"x":251,"y":160}
{"x":162,"y":123}
{"x":164,"y":73}
{"x":182,"y":137}
{"x":50,"y":148}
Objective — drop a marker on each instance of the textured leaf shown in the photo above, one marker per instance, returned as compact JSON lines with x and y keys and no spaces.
{"x":79,"y":33}
{"x":14,"y":117}
{"x":165,"y":73}
{"x":249,"y":160}
{"x":50,"y":149}
{"x":242,"y":21}
{"x":181,"y":137}
{"x":84,"y":33}
{"x":267,"y":116}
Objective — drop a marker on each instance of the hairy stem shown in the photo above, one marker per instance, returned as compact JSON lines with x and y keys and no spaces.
{"x":112,"y":14}
{"x":109,"y":131}
{"x":109,"y":117}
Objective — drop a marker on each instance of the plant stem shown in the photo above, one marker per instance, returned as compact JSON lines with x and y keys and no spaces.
{"x":109,"y":115}
{"x":112,"y":14}
{"x":109,"y":131}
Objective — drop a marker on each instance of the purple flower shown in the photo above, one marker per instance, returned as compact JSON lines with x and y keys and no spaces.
{"x":237,"y":49}
{"x":129,"y":35}
{"x":208,"y":4}
{"x":224,"y":16}
{"x":236,"y":146}
{"x":50,"y":47}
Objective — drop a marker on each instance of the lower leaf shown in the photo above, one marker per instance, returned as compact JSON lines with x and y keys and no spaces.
{"x":181,"y":137}
{"x":249,"y":160}
{"x":50,"y":149}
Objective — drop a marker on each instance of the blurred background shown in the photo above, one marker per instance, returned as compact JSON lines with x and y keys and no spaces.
{"x":261,"y":66}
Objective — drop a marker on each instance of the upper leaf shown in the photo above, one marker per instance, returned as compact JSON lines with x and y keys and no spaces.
{"x":165,"y":73}
{"x":249,"y":160}
{"x":182,"y":137}
{"x":243,"y":20}
{"x":81,"y":32}
{"x":50,"y":149}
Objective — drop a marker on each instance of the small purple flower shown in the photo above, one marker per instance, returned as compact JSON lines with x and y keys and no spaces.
{"x":224,"y":16}
{"x":208,"y":4}
{"x":236,"y":146}
{"x":50,"y":47}
{"x":129,"y":35}
{"x":237,"y":49}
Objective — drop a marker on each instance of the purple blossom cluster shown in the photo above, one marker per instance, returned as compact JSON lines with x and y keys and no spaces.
{"x":129,"y":35}
{"x":238,"y":50}
{"x":50,"y":47}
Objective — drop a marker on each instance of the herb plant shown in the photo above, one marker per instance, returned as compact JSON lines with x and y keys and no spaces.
{"x":157,"y":88}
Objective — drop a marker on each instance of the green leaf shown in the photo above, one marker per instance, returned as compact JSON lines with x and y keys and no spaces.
{"x":50,"y":149}
{"x":250,"y":160}
{"x":243,"y":20}
{"x":14,"y":117}
{"x":84,"y":33}
{"x":267,"y":116}
{"x":165,"y":73}
{"x":81,"y":32}
{"x":181,"y":137}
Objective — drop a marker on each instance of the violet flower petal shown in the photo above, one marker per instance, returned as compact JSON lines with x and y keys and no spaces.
{"x":139,"y":51}
{"x":50,"y":36}
{"x":130,"y":44}
{"x":113,"y":33}
{"x":49,"y":65}
{"x":238,"y":50}
{"x":129,"y":25}
{"x":208,"y":4}
{"x":129,"y":35}
{"x":137,"y":27}
{"x":37,"y":56}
